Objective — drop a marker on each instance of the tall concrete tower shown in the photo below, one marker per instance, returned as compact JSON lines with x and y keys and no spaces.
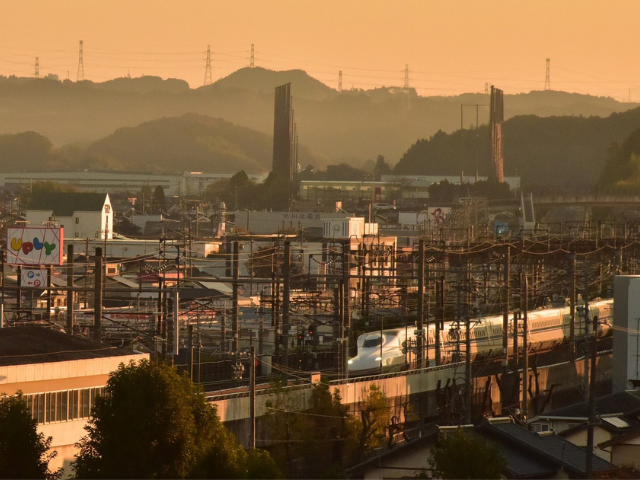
{"x":284,"y":148}
{"x":80,"y":76}
{"x":496,"y":117}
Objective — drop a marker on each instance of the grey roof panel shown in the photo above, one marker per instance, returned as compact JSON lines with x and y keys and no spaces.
{"x":551,"y":447}
{"x":25,"y":345}
{"x":65,"y":204}
{"x":620,"y":402}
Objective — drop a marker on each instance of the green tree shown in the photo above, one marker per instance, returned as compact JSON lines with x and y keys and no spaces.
{"x":42,"y":190}
{"x":463,"y":456}
{"x":158,"y":201}
{"x":375,"y":417}
{"x":331,"y":436}
{"x":287,"y":426}
{"x":154,"y":423}
{"x":23,"y":451}
{"x":144,"y":199}
{"x":345,"y":172}
{"x":381,"y":168}
{"x":311,"y":441}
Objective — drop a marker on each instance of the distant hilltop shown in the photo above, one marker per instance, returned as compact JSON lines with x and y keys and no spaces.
{"x":351,"y":126}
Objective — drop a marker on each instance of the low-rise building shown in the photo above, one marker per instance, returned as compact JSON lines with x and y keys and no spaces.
{"x":82,"y":215}
{"x":60,"y":376}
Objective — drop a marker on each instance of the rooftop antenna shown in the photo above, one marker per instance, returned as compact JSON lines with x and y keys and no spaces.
{"x":252,"y":60}
{"x":80,"y":76}
{"x":207,"y":68}
{"x":340,"y":81}
{"x":37,"y":72}
{"x":547,"y":78}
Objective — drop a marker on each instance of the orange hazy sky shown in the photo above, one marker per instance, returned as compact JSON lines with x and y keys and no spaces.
{"x":450,"y":46}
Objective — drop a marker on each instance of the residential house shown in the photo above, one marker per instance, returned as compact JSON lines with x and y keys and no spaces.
{"x":82,"y":215}
{"x":527,"y":454}
{"x":616,"y":434}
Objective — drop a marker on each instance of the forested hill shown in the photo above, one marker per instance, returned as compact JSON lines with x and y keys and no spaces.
{"x":168,"y":145}
{"x":187,"y":143}
{"x":351,"y":126}
{"x":543,"y":151}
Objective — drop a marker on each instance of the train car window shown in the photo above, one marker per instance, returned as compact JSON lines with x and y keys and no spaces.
{"x":372,"y":342}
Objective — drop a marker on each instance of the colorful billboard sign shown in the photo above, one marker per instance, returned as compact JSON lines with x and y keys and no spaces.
{"x":34,"y":245}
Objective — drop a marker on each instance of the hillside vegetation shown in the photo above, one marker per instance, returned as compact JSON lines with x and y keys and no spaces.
{"x":552,"y":151}
{"x":190,"y":142}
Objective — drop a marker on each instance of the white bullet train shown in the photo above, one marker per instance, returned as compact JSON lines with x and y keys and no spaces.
{"x":548,"y":327}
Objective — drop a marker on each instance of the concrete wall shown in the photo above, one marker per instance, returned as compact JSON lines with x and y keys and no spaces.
{"x":417,"y":386}
{"x":626,"y":336}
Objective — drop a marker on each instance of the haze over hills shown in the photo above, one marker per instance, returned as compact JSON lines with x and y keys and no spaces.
{"x":168,"y":145}
{"x":351,"y":126}
{"x":191,"y":142}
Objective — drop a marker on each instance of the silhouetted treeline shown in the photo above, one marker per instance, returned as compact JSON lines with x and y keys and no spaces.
{"x":552,"y":151}
{"x":622,"y":169}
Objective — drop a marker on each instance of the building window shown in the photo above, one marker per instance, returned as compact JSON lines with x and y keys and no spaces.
{"x":62,"y":406}
{"x":77,"y":220}
{"x":107,"y":209}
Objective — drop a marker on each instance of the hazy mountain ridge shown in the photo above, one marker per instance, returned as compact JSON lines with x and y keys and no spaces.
{"x":353,"y":124}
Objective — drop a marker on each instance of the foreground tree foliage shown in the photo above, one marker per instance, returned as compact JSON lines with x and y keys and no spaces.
{"x":154,"y":423}
{"x":462,"y":456}
{"x":23,"y":451}
{"x":375,"y":418}
{"x":321,"y":439}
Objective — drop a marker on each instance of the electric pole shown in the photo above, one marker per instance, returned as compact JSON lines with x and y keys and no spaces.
{"x":70,"y":291}
{"x":593,"y":345}
{"x":286,"y":291}
{"x":252,"y":397}
{"x":97,"y":312}
{"x":235,"y":310}
{"x":420,"y":335}
{"x":525,"y":349}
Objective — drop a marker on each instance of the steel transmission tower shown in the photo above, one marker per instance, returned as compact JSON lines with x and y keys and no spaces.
{"x":547,"y":78}
{"x":37,"y":72}
{"x":252,"y":59}
{"x":406,"y":86}
{"x":207,"y":68}
{"x":80,"y":76}
{"x":340,"y":81}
